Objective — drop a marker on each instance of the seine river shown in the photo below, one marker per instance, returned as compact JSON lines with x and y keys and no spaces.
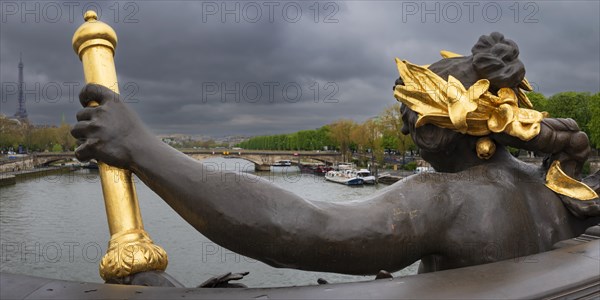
{"x":55,"y":226}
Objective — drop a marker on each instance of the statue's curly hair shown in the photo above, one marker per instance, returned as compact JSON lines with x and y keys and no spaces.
{"x":497,"y":59}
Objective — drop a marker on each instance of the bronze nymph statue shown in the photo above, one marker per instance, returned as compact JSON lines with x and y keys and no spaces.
{"x":482,"y":205}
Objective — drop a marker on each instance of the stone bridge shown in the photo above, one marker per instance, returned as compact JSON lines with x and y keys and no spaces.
{"x":34,"y":160}
{"x":264,"y":159}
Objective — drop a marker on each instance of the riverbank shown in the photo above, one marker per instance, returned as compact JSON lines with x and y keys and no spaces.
{"x":6,"y":180}
{"x":10,"y":178}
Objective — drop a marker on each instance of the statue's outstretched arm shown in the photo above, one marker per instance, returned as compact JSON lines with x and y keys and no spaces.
{"x":248,"y":215}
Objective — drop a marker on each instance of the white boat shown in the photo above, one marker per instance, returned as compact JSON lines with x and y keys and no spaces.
{"x":344,"y":177}
{"x":365,"y":175}
{"x":282,"y":163}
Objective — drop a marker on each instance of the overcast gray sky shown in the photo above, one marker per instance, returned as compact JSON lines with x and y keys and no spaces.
{"x":265,"y":67}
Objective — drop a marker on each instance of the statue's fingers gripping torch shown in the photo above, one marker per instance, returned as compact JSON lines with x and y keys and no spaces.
{"x":130,"y":249}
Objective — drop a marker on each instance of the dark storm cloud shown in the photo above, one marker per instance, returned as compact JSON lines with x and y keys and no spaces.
{"x":177,"y":60}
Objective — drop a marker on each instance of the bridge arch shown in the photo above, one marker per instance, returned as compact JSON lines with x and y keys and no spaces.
{"x":258,"y":164}
{"x":46,"y":162}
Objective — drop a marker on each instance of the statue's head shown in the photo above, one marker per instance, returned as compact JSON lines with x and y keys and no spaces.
{"x":460,"y":110}
{"x":494,"y":59}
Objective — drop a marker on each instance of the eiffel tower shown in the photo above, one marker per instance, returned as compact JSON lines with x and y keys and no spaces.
{"x":21,"y":113}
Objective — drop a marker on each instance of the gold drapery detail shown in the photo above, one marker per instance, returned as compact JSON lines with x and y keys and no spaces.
{"x":474,"y":111}
{"x":561,"y":183}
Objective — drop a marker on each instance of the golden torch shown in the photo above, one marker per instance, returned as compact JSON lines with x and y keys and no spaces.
{"x":130,"y":249}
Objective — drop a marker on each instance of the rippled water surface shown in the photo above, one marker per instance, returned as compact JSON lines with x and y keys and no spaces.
{"x":55,"y":226}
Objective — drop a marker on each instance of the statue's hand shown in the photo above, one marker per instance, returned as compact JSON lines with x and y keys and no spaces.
{"x":110,"y":131}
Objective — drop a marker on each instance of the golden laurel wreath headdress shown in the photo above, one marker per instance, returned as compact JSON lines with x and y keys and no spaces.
{"x":478,"y":112}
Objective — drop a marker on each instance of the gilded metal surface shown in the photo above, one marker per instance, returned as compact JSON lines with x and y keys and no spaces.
{"x":523,"y":86}
{"x":475,"y":111}
{"x":449,"y":54}
{"x":485,"y":148}
{"x":561,"y":183}
{"x":130,"y":249}
{"x":130,"y":252}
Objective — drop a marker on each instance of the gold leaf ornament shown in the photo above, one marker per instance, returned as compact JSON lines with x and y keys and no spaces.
{"x":461,"y":102}
{"x":475,"y":111}
{"x":501,"y":116}
{"x":561,"y":183}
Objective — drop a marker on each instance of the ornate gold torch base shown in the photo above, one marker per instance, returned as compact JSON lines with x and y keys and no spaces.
{"x":131,"y":252}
